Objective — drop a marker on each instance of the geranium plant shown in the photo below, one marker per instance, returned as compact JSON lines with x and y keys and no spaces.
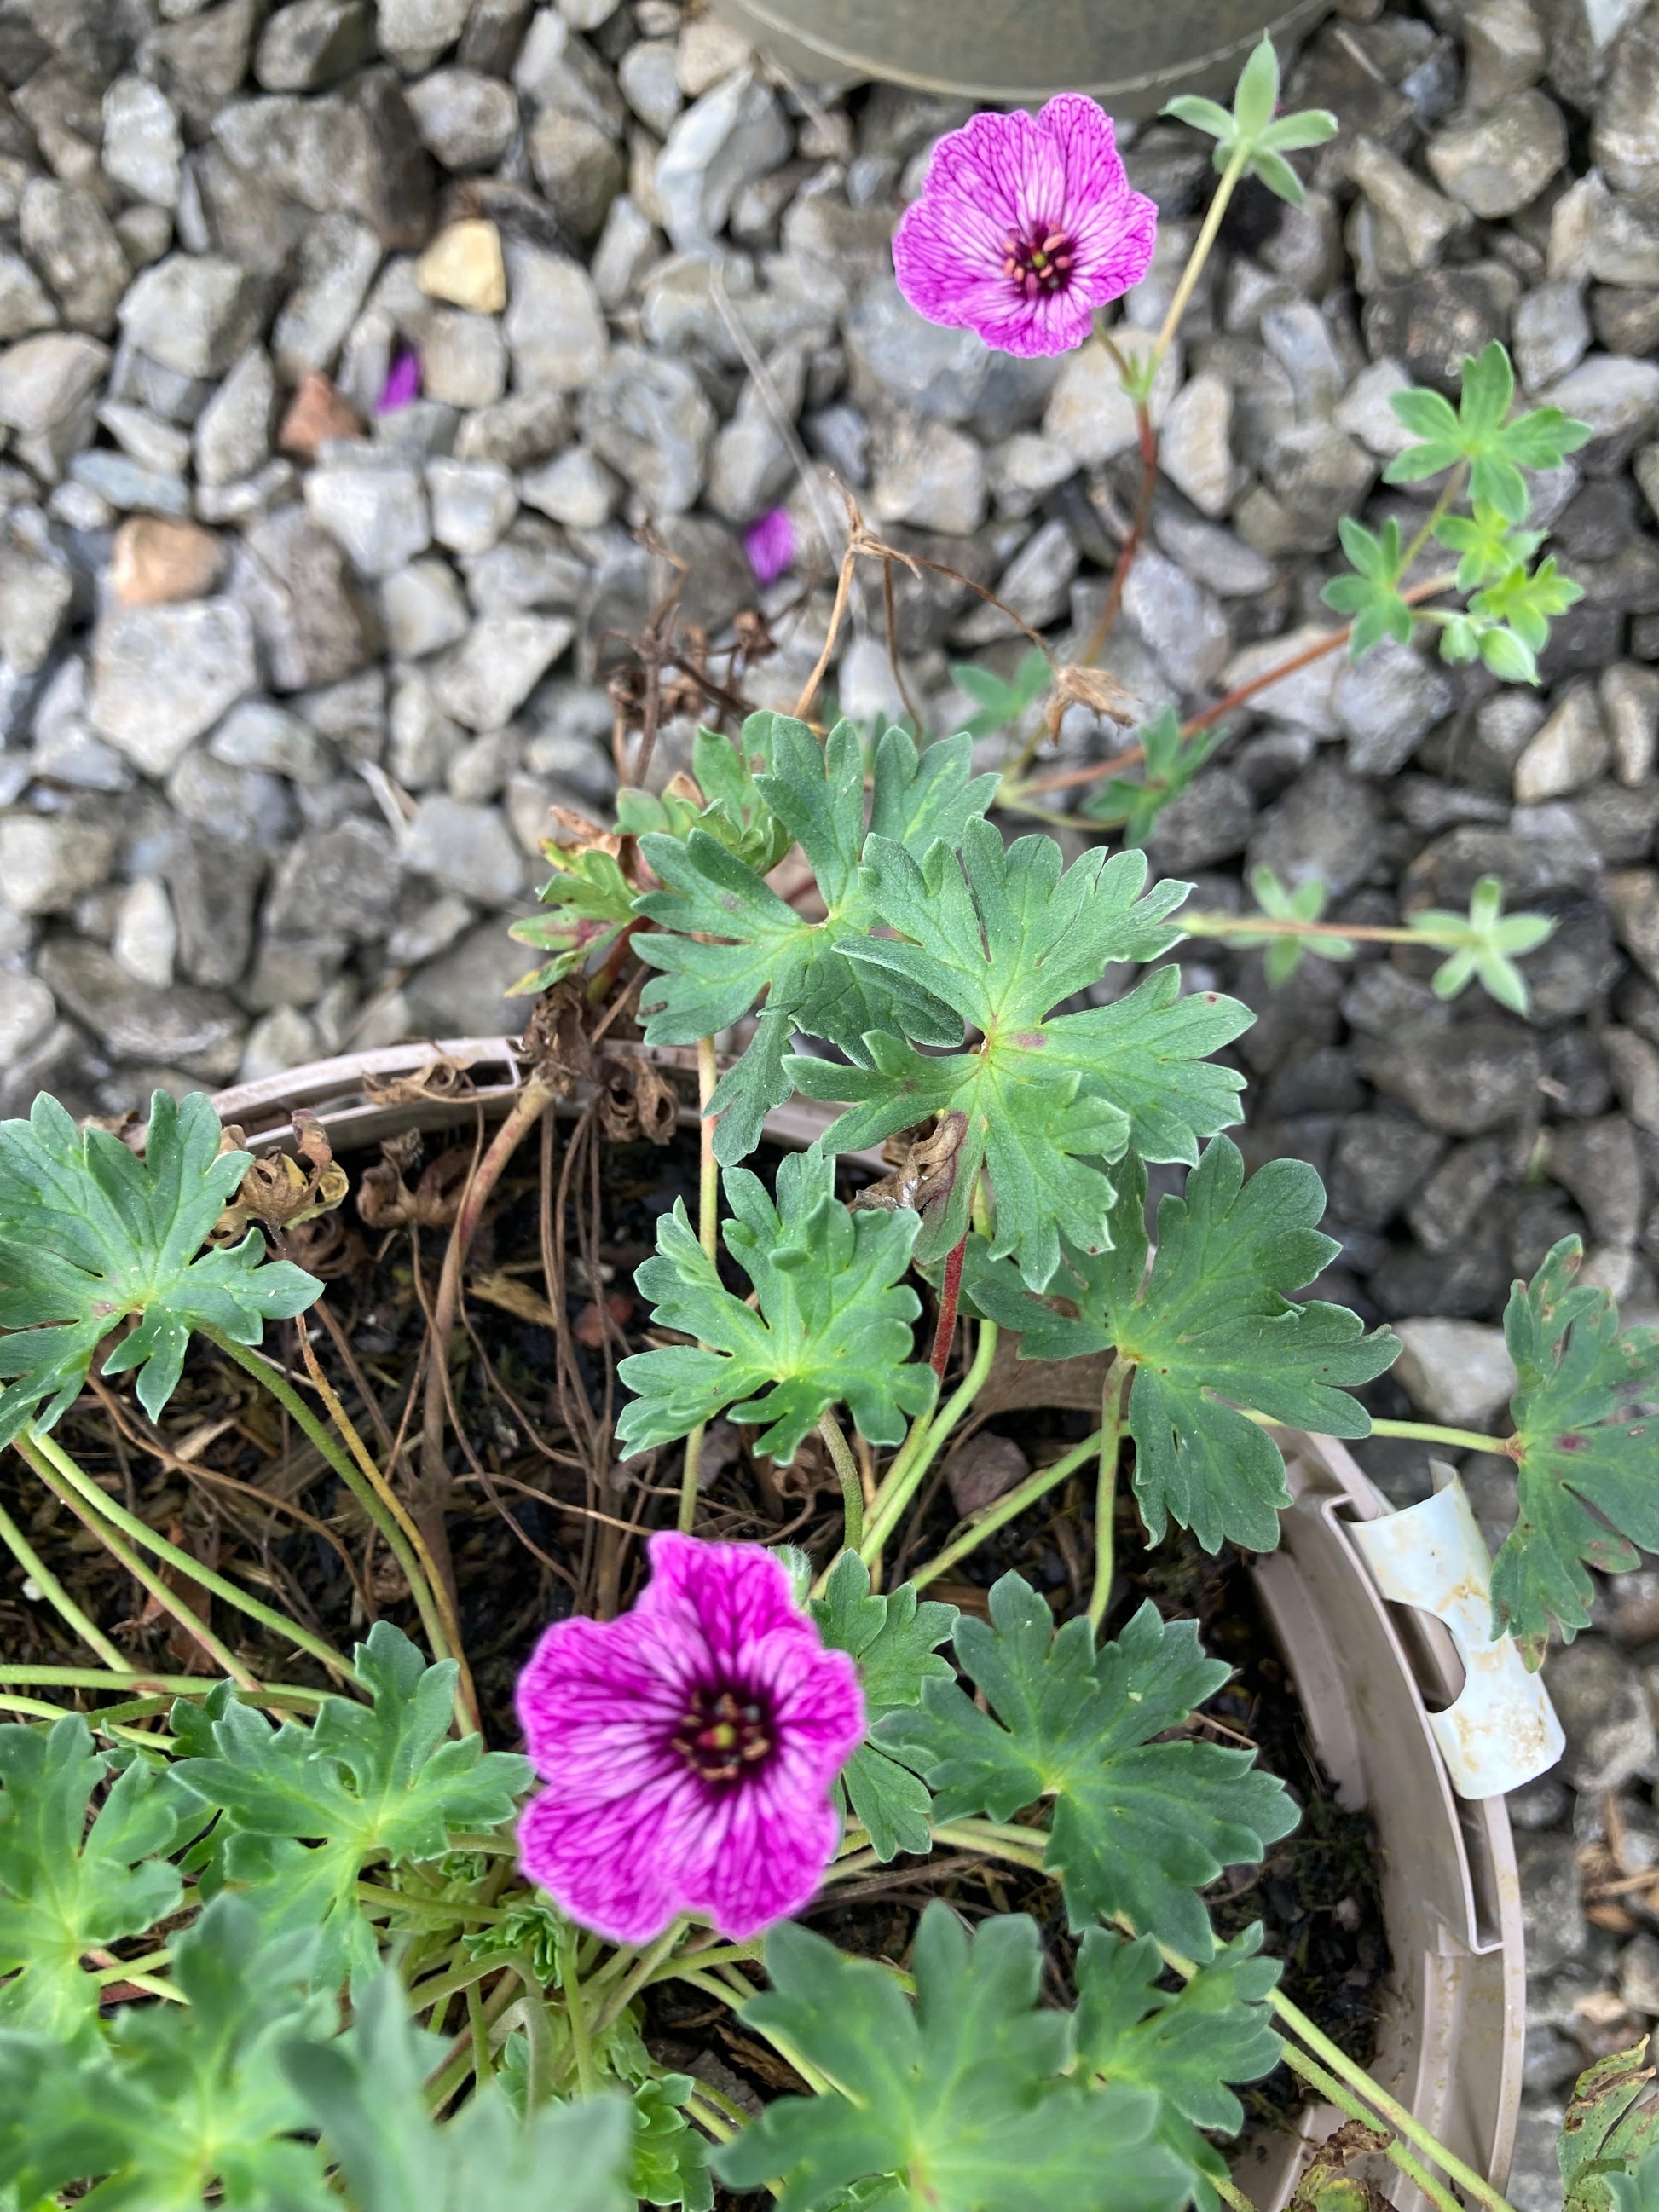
{"x":297,"y":1876}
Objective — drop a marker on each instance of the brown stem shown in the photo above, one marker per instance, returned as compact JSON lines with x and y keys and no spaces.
{"x":1070,"y":778}
{"x":843,"y":585}
{"x":432,"y":1492}
{"x":950,"y":1293}
{"x":893,"y":644}
{"x":1147,"y":436}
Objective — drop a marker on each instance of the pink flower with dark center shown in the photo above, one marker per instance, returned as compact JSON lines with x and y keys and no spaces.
{"x":770,"y":541}
{"x":689,"y":1749}
{"x":1024,"y":227}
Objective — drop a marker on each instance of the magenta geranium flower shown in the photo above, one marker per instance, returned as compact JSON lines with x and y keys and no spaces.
{"x":688,"y":1750}
{"x":1024,"y":227}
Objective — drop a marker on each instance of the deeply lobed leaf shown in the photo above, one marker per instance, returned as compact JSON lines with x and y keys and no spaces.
{"x":1139,"y":1826}
{"x":1001,"y":937}
{"x":66,"y":1888}
{"x":1584,"y":1406}
{"x":1212,"y":1323}
{"x":755,"y":950}
{"x":91,"y":1236}
{"x":1185,"y":2045}
{"x":185,"y":2106}
{"x":832,"y":1322}
{"x":302,"y":1809}
{"x":895,"y":1640}
{"x":957,"y":2100}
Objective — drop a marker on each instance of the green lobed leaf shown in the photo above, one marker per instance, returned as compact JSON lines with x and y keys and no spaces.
{"x":1000,"y":937}
{"x":725,"y":942}
{"x":1370,"y":597}
{"x":668,"y":2160}
{"x":721,"y":797}
{"x":1479,"y":433}
{"x":959,"y":2098}
{"x":1001,"y":701}
{"x":895,"y":1639}
{"x":91,"y":1236}
{"x":1285,"y":952}
{"x":1139,"y":1826}
{"x":1212,"y":1322}
{"x":1135,"y":803}
{"x":1484,"y":945}
{"x":303,"y":1809}
{"x":1527,"y":602}
{"x":591,"y":903}
{"x":185,"y":2106}
{"x":1185,"y":2045}
{"x":1609,"y":2138}
{"x":1489,"y":547}
{"x":832,"y":1324}
{"x":366,"y":2091}
{"x":1584,"y":1438}
{"x":66,"y":1888}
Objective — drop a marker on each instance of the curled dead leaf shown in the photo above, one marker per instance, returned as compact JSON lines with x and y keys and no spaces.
{"x":440,"y":1079}
{"x":924,"y":1167}
{"x":279,"y":1192}
{"x":1101,"y":693}
{"x":637,"y":1100}
{"x":384,"y":1199}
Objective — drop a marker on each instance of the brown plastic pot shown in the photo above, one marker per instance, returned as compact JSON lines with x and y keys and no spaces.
{"x":1131,"y":54}
{"x":1367,"y":1672}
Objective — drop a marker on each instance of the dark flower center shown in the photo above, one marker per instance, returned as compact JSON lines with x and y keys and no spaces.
{"x":725,"y":1734}
{"x":1039,"y":262}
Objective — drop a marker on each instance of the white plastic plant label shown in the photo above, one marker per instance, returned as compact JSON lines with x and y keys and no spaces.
{"x":1503,"y":1730}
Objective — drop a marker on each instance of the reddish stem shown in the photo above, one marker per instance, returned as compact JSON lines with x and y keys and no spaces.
{"x":950,"y":1293}
{"x":1069,"y":778}
{"x":1132,"y":545}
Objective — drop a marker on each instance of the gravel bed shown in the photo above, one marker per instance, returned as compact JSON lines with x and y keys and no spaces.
{"x":288,"y":684}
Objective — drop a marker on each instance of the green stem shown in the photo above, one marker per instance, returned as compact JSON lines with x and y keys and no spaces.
{"x":539,"y":2028}
{"x":67,"y":1492}
{"x":1335,"y":2093}
{"x":1113,"y":1404}
{"x":643,"y":1969}
{"x":708,"y":1209}
{"x":445,"y":1911}
{"x":1419,"y":1432}
{"x":983,"y":1836}
{"x":1458,"y":1439}
{"x":138,"y":1678}
{"x":587,"y":2078}
{"x":1472,"y":2184}
{"x":903,"y":1480}
{"x":428,"y":1587}
{"x":852,"y":1488}
{"x":1229,"y":2193}
{"x":271,"y":1378}
{"x":35,"y":1568}
{"x":1006,"y":1508}
{"x":479,"y":2027}
{"x":1450,"y":492}
{"x":107,"y":1508}
{"x":1202,"y":245}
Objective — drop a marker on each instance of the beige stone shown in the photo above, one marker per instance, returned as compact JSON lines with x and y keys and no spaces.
{"x":155,"y":562}
{"x":464,"y":265}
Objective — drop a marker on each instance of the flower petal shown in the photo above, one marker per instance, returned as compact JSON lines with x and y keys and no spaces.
{"x":601,"y":1696}
{"x":721,"y":1597}
{"x":614,"y":1869}
{"x":766,"y":1850}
